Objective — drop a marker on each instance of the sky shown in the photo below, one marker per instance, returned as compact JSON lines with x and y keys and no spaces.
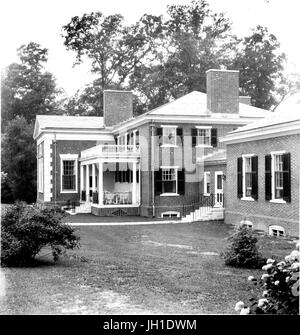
{"x":41,"y":21}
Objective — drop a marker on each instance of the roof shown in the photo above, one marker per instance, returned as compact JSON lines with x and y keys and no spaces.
{"x":65,"y":121}
{"x":194,"y":103}
{"x":216,"y":156}
{"x":280,"y":123}
{"x":276,"y":118}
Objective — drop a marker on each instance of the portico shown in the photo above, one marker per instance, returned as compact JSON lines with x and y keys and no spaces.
{"x":110,"y":176}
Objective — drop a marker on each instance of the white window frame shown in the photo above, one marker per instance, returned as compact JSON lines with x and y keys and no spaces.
{"x":206,"y":173}
{"x":198,"y":137}
{"x":277,"y":229}
{"x":169,"y":213}
{"x":41,"y":162}
{"x":176,"y":180}
{"x":167,"y":145}
{"x":69,"y":157}
{"x":244,"y":157}
{"x":273,"y":199}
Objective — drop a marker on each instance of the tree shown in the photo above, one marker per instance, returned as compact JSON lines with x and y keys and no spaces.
{"x":26,"y":89}
{"x":19,"y":159}
{"x":260,"y":65}
{"x":114,"y":49}
{"x":196,"y":39}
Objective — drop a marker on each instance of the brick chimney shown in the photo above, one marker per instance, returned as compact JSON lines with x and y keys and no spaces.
{"x":222,"y":91}
{"x":245,"y":100}
{"x":117,"y":107}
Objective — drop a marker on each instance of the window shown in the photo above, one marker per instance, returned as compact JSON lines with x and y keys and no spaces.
{"x":170,"y":214}
{"x":278,"y":177}
{"x":169,"y":180}
{"x":276,"y":231}
{"x":248,"y":177}
{"x":40,"y":156}
{"x":247,"y":180}
{"x":169,"y":135}
{"x":69,"y":173}
{"x":126,"y":176}
{"x":203,"y":136}
{"x":207,"y":182}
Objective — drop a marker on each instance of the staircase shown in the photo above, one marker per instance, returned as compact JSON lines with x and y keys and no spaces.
{"x":205,"y":214}
{"x":82,"y":208}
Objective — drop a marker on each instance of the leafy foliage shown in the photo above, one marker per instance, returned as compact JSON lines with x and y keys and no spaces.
{"x":18,"y":153}
{"x":280,"y":285}
{"x":242,"y":250}
{"x":25,"y":230}
{"x":26,"y":89}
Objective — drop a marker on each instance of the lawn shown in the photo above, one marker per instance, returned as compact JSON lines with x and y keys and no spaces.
{"x":142,"y":269}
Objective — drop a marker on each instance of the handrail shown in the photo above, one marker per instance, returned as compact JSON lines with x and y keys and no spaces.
{"x":108,"y":149}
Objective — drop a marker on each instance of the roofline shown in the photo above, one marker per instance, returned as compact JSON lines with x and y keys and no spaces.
{"x":281,"y":129}
{"x":220,"y":70}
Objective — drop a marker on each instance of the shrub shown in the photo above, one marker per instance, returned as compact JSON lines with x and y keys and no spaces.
{"x":280,"y":285}
{"x":25,"y":230}
{"x":242,"y":250}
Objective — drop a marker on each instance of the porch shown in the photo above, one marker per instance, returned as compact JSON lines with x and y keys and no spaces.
{"x":110,"y":180}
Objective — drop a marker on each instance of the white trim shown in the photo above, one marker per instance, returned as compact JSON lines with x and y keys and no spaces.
{"x":276,"y":227}
{"x":170,"y":194}
{"x":278,"y":152}
{"x":168,"y":126}
{"x":247,"y":199}
{"x":204,"y":146}
{"x":205,"y":182}
{"x":277,"y":201}
{"x":264,"y":132}
{"x":203,"y":127}
{"x":169,"y":146}
{"x":169,"y":167}
{"x":69,"y":157}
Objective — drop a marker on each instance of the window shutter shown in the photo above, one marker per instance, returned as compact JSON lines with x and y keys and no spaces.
{"x":214,"y":137}
{"x":268,"y":177}
{"x":158,"y":182}
{"x":181,"y":181}
{"x":286,"y":158}
{"x":159,"y":132}
{"x":128,"y":139}
{"x":194,"y":137}
{"x":179,"y":134}
{"x":240,"y":177}
{"x":254,"y":192}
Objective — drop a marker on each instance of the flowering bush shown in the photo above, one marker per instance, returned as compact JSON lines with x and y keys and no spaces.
{"x":280,"y":286}
{"x":243,"y":251}
{"x":25,"y":230}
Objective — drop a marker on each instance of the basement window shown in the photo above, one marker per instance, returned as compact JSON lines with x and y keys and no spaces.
{"x":170,"y":215}
{"x":276,"y":231}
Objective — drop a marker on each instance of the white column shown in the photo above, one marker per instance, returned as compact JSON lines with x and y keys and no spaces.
{"x":81,"y":180}
{"x":94,"y":177}
{"x":87,"y":182}
{"x":100,"y":184}
{"x":134,"y":183}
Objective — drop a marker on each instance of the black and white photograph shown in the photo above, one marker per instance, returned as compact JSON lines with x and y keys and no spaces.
{"x":150,"y":160}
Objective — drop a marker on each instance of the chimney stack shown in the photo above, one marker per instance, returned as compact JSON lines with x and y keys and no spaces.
{"x":222,"y":91}
{"x":117,"y":107}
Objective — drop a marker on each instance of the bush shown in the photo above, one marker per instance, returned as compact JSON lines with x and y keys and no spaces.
{"x":25,"y":230}
{"x":243,"y":251}
{"x":280,"y":285}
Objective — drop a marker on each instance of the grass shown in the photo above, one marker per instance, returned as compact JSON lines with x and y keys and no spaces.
{"x":146,"y":269}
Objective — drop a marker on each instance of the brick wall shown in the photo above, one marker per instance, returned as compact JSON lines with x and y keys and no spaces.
{"x":117,"y":107}
{"x":67,"y":147}
{"x":183,"y":156}
{"x":261,"y":212}
{"x":222,"y":89}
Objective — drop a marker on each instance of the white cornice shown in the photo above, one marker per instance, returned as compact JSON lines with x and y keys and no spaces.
{"x":169,"y":119}
{"x":290,"y":128}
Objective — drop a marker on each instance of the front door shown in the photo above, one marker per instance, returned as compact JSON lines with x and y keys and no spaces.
{"x":219,"y":194}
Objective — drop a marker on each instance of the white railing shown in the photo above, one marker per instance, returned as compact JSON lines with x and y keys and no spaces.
{"x":109,"y":150}
{"x":117,"y":198}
